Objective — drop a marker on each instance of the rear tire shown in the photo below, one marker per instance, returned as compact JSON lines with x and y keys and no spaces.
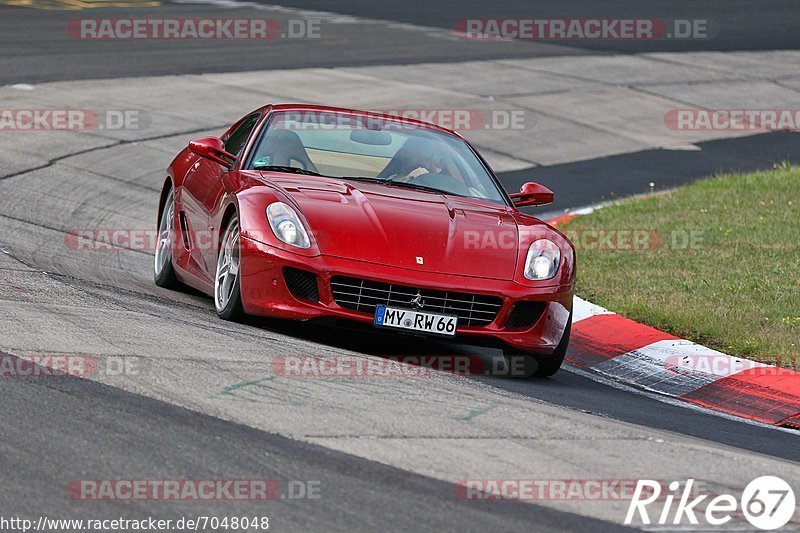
{"x":227,"y":291}
{"x":164,"y":271}
{"x":542,"y":366}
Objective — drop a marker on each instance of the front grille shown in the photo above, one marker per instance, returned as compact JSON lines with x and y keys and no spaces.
{"x":525,"y":314}
{"x":301,"y":284}
{"x":364,"y":295}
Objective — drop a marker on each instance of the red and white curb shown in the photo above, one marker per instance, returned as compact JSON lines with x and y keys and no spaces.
{"x":642,"y":356}
{"x":645,"y":357}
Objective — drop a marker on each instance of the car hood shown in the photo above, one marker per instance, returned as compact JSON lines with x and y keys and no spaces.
{"x":406,"y":228}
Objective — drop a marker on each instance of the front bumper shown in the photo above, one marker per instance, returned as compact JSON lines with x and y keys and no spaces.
{"x":265,"y":293}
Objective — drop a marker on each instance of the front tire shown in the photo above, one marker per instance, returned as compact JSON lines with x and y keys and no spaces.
{"x":227,"y":292}
{"x":164,"y":271}
{"x":544,"y":365}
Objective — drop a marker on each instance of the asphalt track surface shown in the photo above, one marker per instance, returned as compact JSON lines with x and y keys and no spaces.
{"x":595,"y":181}
{"x":736,"y":25}
{"x":127,"y":435}
{"x":59,"y":430}
{"x":36,"y":48}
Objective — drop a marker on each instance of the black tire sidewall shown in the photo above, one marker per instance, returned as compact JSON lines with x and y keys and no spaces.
{"x":549,"y":365}
{"x":167,"y":277}
{"x":544,"y":365}
{"x":233,"y":310}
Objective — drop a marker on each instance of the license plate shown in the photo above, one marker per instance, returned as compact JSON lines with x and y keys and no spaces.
{"x":432,"y":323}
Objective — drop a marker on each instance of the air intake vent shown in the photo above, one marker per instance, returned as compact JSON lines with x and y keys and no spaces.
{"x":301,"y":284}
{"x":525,"y":314}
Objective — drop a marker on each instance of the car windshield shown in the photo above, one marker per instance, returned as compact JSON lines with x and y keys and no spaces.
{"x":395,"y":153}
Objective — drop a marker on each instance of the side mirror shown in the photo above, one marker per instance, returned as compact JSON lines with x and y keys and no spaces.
{"x":212,"y":148}
{"x":532,"y":194}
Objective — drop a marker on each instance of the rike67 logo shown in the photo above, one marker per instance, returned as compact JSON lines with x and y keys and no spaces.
{"x":767,"y":503}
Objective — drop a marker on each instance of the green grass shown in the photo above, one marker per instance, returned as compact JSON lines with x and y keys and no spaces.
{"x":736,"y":290}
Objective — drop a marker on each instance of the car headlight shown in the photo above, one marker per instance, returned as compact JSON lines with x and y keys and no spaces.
{"x":287,"y":226}
{"x":542,"y":261}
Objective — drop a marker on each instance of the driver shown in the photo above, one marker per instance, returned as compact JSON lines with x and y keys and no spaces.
{"x":416,"y":158}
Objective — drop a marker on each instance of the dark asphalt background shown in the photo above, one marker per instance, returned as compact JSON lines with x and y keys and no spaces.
{"x":569,"y":389}
{"x":36,"y":46}
{"x":609,"y":178}
{"x":736,"y":24}
{"x":56,"y":431}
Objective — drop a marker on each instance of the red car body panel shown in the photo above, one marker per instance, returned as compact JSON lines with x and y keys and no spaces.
{"x":365,"y":231}
{"x":370,"y":222}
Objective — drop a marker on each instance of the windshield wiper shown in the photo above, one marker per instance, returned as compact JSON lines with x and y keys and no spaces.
{"x":409,"y":185}
{"x":392,"y":183}
{"x":363,"y":178}
{"x":293,"y":170}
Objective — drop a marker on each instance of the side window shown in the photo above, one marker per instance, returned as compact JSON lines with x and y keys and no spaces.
{"x":236,"y":140}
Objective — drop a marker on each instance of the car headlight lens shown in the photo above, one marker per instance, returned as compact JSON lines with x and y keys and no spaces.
{"x":287,"y":225}
{"x":542,"y":261}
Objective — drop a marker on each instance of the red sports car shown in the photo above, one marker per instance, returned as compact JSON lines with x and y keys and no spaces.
{"x":303,"y":212}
